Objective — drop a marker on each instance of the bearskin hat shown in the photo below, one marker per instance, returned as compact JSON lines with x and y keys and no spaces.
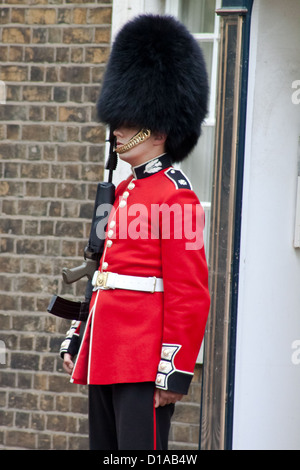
{"x":156,"y":79}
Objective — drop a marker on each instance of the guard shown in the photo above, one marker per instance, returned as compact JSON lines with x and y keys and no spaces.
{"x":150,"y":292}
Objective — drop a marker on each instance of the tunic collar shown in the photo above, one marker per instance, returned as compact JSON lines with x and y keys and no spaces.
{"x":152,"y":166}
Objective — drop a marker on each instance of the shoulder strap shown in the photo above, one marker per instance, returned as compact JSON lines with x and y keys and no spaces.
{"x":179,"y":179}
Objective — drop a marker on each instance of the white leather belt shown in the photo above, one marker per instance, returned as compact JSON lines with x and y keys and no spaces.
{"x":109,"y":280}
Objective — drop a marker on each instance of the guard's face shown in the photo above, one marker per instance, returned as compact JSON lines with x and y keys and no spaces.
{"x":144,"y":151}
{"x":135,"y":138}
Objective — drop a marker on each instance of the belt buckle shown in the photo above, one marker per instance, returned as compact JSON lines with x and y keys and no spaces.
{"x":101,"y":280}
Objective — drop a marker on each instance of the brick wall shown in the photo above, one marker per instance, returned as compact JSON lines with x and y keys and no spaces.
{"x":184,"y":433}
{"x":52,"y":58}
{"x":51,"y":157}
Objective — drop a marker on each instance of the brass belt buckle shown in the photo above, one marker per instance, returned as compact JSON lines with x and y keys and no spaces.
{"x":102,"y":280}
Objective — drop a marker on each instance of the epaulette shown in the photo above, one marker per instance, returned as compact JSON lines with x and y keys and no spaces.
{"x":178,"y":178}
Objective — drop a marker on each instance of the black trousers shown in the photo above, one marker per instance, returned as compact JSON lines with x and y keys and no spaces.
{"x":123,"y":417}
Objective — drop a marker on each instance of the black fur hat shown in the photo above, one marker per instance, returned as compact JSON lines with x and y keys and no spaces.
{"x":156,"y":79}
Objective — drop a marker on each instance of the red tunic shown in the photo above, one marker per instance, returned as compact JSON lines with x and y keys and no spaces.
{"x":155,"y":229}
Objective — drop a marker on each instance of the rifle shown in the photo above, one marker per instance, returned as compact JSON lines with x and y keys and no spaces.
{"x":93,"y":251}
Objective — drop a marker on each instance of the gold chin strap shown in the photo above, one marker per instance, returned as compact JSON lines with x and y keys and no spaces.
{"x":137,"y":139}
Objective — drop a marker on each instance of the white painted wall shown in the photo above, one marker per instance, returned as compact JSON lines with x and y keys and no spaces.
{"x":267,"y":386}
